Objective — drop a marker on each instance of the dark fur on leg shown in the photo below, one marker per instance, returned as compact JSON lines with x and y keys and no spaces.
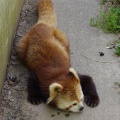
{"x":33,"y":89}
{"x":89,"y":90}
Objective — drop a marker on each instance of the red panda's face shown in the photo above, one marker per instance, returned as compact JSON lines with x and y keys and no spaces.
{"x":70,"y":99}
{"x":67,"y":96}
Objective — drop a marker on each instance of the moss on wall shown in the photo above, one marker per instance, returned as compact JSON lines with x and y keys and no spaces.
{"x":9,"y":16}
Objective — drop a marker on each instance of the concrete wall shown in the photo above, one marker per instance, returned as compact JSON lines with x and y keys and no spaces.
{"x":9,"y":16}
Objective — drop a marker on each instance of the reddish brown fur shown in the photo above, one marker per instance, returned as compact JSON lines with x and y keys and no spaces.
{"x":45,"y":50}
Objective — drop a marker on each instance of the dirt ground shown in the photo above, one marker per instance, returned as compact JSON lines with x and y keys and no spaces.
{"x":14,"y":89}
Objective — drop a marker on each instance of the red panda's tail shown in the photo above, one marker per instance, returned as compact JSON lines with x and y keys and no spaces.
{"x":46,"y":13}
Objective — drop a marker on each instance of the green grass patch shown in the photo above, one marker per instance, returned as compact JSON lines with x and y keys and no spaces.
{"x":117,"y":50}
{"x":109,"y":21}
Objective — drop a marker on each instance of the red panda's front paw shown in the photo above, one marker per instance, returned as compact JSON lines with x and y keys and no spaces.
{"x":33,"y":89}
{"x":92,"y":100}
{"x":89,"y":90}
{"x":34,"y":99}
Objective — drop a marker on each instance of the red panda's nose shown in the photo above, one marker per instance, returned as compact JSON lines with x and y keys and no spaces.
{"x":81,"y":108}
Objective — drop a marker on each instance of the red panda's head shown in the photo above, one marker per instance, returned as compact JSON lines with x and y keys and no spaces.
{"x":67,"y":95}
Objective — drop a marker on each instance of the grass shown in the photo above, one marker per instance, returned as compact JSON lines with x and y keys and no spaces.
{"x":109,"y":19}
{"x":114,"y":2}
{"x":117,"y":50}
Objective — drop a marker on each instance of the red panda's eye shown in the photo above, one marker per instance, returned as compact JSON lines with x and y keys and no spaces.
{"x":74,"y":104}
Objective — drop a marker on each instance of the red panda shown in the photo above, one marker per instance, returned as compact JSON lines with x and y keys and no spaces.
{"x":45,"y":50}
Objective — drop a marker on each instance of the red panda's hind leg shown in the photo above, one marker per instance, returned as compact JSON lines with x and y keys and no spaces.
{"x":61,"y":37}
{"x":22,"y":47}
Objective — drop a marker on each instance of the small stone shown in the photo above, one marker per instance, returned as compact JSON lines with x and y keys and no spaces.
{"x":58,"y":113}
{"x":109,"y":47}
{"x":52,"y":115}
{"x":19,"y":34}
{"x":13,"y":58}
{"x":101,"y":53}
{"x":67,"y":115}
{"x":11,"y":83}
{"x":14,"y":63}
{"x":13,"y":79}
{"x":12,"y":100}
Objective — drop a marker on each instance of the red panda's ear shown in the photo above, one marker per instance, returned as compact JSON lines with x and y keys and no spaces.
{"x":73,"y":73}
{"x":54,"y":89}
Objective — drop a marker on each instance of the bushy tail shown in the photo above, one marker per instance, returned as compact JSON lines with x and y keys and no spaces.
{"x":46,"y":13}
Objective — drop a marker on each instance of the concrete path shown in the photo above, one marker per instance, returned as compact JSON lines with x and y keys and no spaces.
{"x":86,"y":43}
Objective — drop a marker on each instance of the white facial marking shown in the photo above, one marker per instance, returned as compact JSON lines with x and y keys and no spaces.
{"x":76,"y":108}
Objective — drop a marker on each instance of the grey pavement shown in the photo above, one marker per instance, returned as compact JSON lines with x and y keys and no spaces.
{"x":86,"y":43}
